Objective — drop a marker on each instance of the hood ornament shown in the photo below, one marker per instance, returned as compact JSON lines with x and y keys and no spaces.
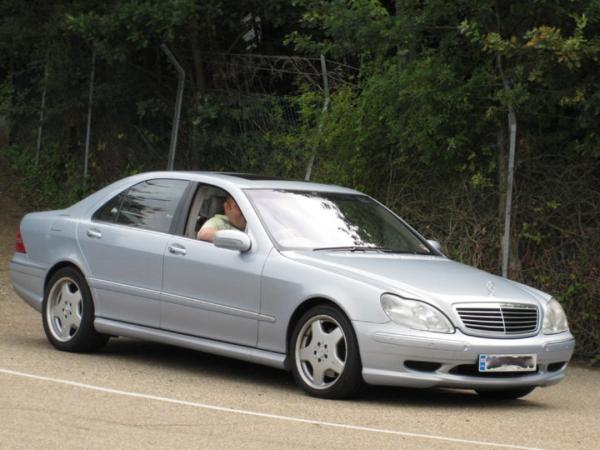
{"x":491,"y":287}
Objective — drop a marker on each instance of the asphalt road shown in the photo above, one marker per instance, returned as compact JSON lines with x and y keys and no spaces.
{"x":135,"y":394}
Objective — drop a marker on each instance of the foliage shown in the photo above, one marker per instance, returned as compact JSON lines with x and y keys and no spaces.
{"x":52,"y":183}
{"x":132,"y":24}
{"x":421,"y":125}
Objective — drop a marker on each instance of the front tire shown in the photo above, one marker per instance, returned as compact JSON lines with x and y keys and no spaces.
{"x":68,"y":313}
{"x":324,"y":354}
{"x":506,"y":394}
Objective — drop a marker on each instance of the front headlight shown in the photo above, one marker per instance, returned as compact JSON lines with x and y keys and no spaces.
{"x":415,"y":314}
{"x":555,"y":319}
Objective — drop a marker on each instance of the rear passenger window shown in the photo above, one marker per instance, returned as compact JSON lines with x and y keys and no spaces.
{"x":110,"y":211}
{"x":150,"y":205}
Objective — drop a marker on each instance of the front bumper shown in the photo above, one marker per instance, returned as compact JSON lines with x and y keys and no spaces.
{"x":397,"y":357}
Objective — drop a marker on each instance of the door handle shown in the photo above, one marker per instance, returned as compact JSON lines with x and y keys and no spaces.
{"x":94,"y":233}
{"x":177,"y":249}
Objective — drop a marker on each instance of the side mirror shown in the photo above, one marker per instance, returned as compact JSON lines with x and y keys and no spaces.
{"x":435,"y":244}
{"x":232,"y":240}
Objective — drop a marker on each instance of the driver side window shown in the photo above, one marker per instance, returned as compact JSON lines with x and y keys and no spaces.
{"x":212,"y":209}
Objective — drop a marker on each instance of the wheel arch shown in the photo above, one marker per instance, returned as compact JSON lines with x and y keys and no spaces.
{"x":61,"y":265}
{"x":304,"y":306}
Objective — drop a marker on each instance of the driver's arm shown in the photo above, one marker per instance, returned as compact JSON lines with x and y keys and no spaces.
{"x":208,"y":230}
{"x":207,"y":233}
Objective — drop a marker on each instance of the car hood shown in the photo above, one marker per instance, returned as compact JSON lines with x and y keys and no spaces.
{"x":421,"y":277}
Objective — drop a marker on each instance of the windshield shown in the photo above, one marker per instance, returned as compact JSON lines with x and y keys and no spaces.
{"x":331,"y":221}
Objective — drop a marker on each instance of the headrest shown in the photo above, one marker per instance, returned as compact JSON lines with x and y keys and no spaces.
{"x":213,"y":205}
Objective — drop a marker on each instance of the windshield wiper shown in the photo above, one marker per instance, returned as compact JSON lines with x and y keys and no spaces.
{"x":354,"y":248}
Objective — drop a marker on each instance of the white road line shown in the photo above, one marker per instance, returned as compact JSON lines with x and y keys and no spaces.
{"x":256,"y":413}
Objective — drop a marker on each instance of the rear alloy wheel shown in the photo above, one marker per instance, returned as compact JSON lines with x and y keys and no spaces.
{"x":326,"y":361}
{"x":506,"y":394}
{"x":68,"y":313}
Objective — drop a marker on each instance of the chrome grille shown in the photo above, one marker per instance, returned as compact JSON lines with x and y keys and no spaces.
{"x":498,"y":318}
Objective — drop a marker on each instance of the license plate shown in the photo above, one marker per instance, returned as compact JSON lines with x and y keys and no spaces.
{"x":507,"y":363}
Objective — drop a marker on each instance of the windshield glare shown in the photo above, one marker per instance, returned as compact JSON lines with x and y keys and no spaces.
{"x":322,"y":220}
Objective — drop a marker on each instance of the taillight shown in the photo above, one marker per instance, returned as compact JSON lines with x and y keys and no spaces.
{"x":20,"y":244}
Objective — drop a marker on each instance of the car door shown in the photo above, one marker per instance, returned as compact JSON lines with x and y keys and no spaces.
{"x":123,"y":244}
{"x":212,"y":292}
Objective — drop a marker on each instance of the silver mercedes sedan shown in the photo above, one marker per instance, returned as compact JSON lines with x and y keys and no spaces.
{"x":321,"y":280}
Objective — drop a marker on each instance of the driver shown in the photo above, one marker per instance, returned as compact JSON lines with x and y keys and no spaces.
{"x":233,"y":219}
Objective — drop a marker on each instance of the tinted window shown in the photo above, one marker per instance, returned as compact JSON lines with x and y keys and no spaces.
{"x":110,"y":211}
{"x":151,"y":204}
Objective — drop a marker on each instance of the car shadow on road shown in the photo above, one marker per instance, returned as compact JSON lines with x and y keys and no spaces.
{"x":443,"y":398}
{"x":253,"y":374}
{"x":195,"y":363}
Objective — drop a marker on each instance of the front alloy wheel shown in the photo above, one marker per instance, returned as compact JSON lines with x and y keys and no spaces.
{"x":326,"y":362}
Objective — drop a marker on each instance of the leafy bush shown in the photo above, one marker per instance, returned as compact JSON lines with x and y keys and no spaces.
{"x":55,"y":182}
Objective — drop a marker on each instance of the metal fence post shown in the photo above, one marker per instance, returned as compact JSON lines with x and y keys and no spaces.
{"x":89,"y":120}
{"x":178,"y":103}
{"x":42,"y":108}
{"x":313,"y":155}
{"x":512,"y":121}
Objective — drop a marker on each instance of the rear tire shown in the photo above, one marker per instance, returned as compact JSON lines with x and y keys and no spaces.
{"x":324,"y":354}
{"x":68,"y":313}
{"x":506,"y":394}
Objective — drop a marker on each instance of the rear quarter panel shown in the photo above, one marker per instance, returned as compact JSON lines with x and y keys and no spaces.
{"x":49,"y":238}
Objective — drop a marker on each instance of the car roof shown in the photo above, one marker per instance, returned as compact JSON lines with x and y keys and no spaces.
{"x":252,"y":181}
{"x":223,"y":179}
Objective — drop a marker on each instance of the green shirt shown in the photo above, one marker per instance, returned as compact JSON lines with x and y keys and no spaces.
{"x":220,"y":222}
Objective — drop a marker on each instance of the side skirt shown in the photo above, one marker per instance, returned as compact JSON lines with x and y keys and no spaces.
{"x":254,"y":355}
